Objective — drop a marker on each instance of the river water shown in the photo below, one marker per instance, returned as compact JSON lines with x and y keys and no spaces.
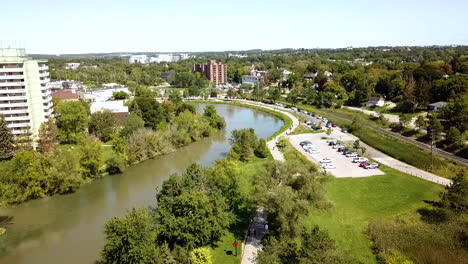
{"x":68,"y":228}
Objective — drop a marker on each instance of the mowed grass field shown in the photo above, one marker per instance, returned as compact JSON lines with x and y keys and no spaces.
{"x":357,"y":200}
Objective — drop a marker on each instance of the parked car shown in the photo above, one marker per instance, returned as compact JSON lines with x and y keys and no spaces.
{"x":363,"y":164}
{"x":326,"y":160}
{"x":330,"y":140}
{"x":333,"y":125}
{"x":360,"y":160}
{"x":337,"y":146}
{"x":347,"y":151}
{"x":308,"y":122}
{"x":352,"y":154}
{"x":333,"y":143}
{"x":329,"y":166}
{"x":372,"y":166}
{"x":315,"y":151}
{"x":344,"y":130}
{"x":305,"y":142}
{"x":341,"y":148}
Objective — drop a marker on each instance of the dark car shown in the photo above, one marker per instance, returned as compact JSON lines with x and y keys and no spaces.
{"x":341,"y":149}
{"x":363,"y":164}
{"x":346,"y":152}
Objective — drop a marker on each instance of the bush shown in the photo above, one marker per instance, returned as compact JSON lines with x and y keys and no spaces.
{"x":115,"y":165}
{"x":201,"y":256}
{"x":262,"y":150}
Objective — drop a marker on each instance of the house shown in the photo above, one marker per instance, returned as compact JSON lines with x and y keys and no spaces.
{"x":310,"y":76}
{"x":118,"y":108}
{"x":72,"y":65}
{"x":434,"y":107}
{"x":66,"y":95}
{"x":375,"y":101}
{"x":251,"y":80}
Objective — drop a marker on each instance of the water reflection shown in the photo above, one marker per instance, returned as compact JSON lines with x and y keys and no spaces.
{"x":68,"y":228}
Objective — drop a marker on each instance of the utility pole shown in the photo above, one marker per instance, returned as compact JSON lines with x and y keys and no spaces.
{"x":432,"y":151}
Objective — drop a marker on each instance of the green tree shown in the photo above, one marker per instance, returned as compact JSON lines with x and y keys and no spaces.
{"x":215,"y":120}
{"x":130,"y":239}
{"x":434,"y":126}
{"x":102,"y":124}
{"x":404,"y":120}
{"x":120,"y":95}
{"x":151,"y":111}
{"x":201,"y":256}
{"x":132,"y":123}
{"x":456,"y":195}
{"x":455,"y":138}
{"x":91,"y":157}
{"x":72,"y":120}
{"x":7,"y":140}
{"x":421,"y":122}
{"x":261,"y":149}
{"x":274,"y":94}
{"x":455,"y":112}
{"x":243,"y":143}
{"x":63,"y":171}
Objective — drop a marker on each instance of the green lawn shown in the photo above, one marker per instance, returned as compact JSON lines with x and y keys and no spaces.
{"x":357,"y":200}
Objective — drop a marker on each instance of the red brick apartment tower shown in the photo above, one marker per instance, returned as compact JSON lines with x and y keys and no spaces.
{"x":215,"y":72}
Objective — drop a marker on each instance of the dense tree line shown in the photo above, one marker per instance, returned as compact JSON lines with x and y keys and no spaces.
{"x":70,"y":152}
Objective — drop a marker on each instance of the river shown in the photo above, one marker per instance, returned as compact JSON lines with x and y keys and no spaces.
{"x":68,"y":228}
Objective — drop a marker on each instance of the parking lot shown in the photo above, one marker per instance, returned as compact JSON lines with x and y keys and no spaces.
{"x":344,"y":166}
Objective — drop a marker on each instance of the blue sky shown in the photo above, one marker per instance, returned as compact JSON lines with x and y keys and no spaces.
{"x":58,"y":27}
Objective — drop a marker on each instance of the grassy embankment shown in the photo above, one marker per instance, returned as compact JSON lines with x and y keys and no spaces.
{"x":358,"y":200}
{"x":398,"y":149}
{"x":224,"y":252}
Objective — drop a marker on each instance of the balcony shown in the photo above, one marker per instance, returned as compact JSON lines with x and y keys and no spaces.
{"x":10,"y":112}
{"x":44,"y":68}
{"x":45,"y":74}
{"x":5,"y":84}
{"x":11,"y":77}
{"x":11,"y":69}
{"x":11,"y":98}
{"x":19,"y":125}
{"x":13,"y":105}
{"x":12,"y":91}
{"x":17,"y":118}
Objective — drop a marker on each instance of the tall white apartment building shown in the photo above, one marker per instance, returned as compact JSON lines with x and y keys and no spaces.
{"x":24,"y":99}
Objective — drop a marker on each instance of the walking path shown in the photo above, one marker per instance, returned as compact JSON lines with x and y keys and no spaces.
{"x":252,"y":242}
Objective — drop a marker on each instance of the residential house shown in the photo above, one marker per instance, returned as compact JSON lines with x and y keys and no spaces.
{"x":375,"y":101}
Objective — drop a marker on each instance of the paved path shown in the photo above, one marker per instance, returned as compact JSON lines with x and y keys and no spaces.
{"x":391,"y":118}
{"x":252,"y":242}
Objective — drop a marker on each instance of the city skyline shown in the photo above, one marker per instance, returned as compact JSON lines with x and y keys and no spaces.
{"x":50,"y":27}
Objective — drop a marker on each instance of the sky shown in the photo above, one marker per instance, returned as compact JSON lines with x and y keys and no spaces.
{"x":95,"y":26}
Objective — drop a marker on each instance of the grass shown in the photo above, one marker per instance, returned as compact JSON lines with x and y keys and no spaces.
{"x":358,"y":200}
{"x":303,"y":129}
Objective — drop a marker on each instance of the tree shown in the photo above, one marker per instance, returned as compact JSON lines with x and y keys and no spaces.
{"x":215,"y":120}
{"x":91,"y":157}
{"x":409,"y":94}
{"x":421,"y":122}
{"x":7,"y":140}
{"x":243,"y":143}
{"x":132,"y":123}
{"x":274,"y":94}
{"x":201,"y":256}
{"x":72,"y":120}
{"x":151,"y":111}
{"x":455,"y":112}
{"x":456,"y":195}
{"x":357,"y":144}
{"x":130,"y":239}
{"x":404,"y":120}
{"x":434,"y":126}
{"x":48,"y":136}
{"x":102,"y":124}
{"x":261,"y":149}
{"x":455,"y":138}
{"x":120,"y":95}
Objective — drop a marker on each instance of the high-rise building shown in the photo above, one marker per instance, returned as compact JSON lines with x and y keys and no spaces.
{"x":215,"y":72}
{"x":25,"y":101}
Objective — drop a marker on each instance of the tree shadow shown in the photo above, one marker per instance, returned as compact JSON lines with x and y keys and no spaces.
{"x":5,"y":220}
{"x":434,"y":216}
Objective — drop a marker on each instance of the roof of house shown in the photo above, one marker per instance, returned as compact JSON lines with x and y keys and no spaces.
{"x":66,"y":95}
{"x":438,"y":104}
{"x":375,"y":99}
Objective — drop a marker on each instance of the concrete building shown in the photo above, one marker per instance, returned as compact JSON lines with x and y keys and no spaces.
{"x":375,"y":101}
{"x":66,"y":95}
{"x":434,"y":107}
{"x":250,"y":80}
{"x":72,"y":65}
{"x":25,"y":100}
{"x":143,"y":59}
{"x":215,"y":72}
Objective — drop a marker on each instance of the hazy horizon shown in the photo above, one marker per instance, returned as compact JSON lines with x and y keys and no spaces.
{"x":53,"y":27}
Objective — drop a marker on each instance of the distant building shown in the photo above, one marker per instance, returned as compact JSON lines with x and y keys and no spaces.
{"x":310,"y":76}
{"x":168,"y":76}
{"x":251,"y":80}
{"x":142,"y":59}
{"x":434,"y":107}
{"x":215,"y":72}
{"x":375,"y":101}
{"x":72,"y":65}
{"x":66,"y":95}
{"x":284,"y":74}
{"x":114,"y":106}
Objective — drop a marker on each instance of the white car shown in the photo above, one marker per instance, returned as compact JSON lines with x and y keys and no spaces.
{"x":330,"y":140}
{"x":329,"y":166}
{"x":360,"y":160}
{"x":326,"y":160}
{"x":336,"y":146}
{"x":352,"y":154}
{"x":313,"y":151}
